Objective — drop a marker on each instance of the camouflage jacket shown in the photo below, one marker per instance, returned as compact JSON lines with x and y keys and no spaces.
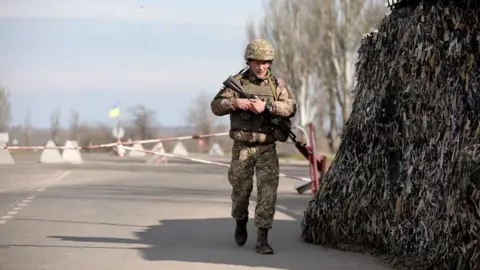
{"x":283,"y":106}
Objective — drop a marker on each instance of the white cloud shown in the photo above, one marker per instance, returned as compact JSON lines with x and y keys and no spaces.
{"x":113,"y":10}
{"x":124,"y":80}
{"x":72,"y":9}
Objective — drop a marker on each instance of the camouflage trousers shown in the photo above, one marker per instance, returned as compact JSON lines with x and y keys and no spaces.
{"x":263,"y":160}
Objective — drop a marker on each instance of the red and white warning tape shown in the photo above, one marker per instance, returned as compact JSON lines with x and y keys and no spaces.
{"x":204,"y":161}
{"x":38,"y":147}
{"x":181,"y":138}
{"x":107,"y":145}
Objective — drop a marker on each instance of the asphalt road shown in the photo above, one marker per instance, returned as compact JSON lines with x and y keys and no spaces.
{"x":136,"y":216}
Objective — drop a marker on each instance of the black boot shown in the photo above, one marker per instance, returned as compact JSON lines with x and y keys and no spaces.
{"x":241,"y":234}
{"x":262,"y":245}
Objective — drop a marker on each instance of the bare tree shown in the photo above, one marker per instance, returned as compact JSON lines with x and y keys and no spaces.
{"x":55,"y":127}
{"x":283,"y":27}
{"x":85,"y":134}
{"x":74,"y":125}
{"x":94,"y":133}
{"x":27,"y":128}
{"x":5,"y":109}
{"x":316,"y":43}
{"x":200,"y":116}
{"x":144,"y":121}
{"x":341,"y":28}
{"x":104,"y":132}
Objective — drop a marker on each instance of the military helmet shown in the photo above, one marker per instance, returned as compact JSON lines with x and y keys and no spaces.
{"x":259,"y":49}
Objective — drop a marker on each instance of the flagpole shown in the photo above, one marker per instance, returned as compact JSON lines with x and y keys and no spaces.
{"x":118,"y":130}
{"x":118,"y":127}
{"x":115,"y":113}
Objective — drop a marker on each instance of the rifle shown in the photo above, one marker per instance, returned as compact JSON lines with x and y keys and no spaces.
{"x":233,"y":84}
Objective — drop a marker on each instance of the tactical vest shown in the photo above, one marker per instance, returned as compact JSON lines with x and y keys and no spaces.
{"x":247,"y":121}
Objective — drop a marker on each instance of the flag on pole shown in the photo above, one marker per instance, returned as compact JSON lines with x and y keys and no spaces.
{"x":114,"y":112}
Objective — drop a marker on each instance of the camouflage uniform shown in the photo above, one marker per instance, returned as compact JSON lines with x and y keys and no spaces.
{"x":254,"y":148}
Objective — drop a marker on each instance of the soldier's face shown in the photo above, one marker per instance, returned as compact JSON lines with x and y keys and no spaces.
{"x":259,"y":67}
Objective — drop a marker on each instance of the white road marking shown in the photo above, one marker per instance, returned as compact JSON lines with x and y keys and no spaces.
{"x":62,"y":175}
{"x":19,"y":206}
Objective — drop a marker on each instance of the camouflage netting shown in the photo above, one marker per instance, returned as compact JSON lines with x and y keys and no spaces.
{"x":404,"y":184}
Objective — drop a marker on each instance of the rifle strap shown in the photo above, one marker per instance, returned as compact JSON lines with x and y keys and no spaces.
{"x":273,"y":86}
{"x":272,"y":82}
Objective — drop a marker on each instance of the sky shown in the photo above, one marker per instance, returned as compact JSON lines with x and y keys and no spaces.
{"x":89,"y":55}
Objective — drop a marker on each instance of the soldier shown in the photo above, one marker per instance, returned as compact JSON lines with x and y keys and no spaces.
{"x":254,"y":146}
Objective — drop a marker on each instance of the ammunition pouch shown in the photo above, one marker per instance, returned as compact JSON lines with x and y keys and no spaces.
{"x":261,"y":123}
{"x":250,"y":122}
{"x":279,"y":134}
